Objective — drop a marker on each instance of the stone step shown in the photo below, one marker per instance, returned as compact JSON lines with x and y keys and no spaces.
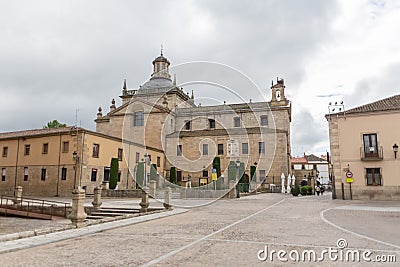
{"x":107,"y":214}
{"x":92,"y":217}
{"x":126,"y":211}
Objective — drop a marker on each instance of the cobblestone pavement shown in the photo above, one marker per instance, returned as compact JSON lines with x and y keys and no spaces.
{"x":232,"y":233}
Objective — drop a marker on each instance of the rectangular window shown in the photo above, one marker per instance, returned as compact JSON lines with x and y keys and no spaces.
{"x":5,"y":151}
{"x":187,"y":125}
{"x":27,"y":150}
{"x":138,"y":119}
{"x":205,"y":149}
{"x":96,"y":150}
{"x":179,"y":150}
{"x":93,"y":177}
{"x":45,"y":149}
{"x":65,"y":147}
{"x":43,"y":175}
{"x":211,"y":123}
{"x":149,"y":158}
{"x":264,"y":120}
{"x":261,"y":147}
{"x":137,"y":159}
{"x":3,"y":174}
{"x":373,"y":176}
{"x":236,"y":122}
{"x":370,"y":145}
{"x":64,"y":174}
{"x":106,"y":173}
{"x":120,"y":153}
{"x":220,"y":149}
{"x":205,"y":173}
{"x":119,"y":176}
{"x":245,"y":148}
{"x":25,"y":173}
{"x":179,"y":176}
{"x":158,"y":162}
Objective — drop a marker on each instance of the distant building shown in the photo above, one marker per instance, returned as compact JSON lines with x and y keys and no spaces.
{"x":364,"y":140}
{"x":161,"y":115}
{"x":310,"y":168}
{"x":42,"y":161}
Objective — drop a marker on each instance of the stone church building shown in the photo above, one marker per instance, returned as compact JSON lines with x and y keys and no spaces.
{"x":161,"y":115}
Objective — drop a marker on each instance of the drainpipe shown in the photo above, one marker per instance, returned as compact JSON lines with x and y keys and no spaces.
{"x":16,"y":168}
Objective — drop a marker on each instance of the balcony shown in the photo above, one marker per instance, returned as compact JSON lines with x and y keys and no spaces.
{"x":371,"y":154}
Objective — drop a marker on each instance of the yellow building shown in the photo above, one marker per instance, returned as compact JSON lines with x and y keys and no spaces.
{"x":364,"y":143}
{"x":50,"y":162}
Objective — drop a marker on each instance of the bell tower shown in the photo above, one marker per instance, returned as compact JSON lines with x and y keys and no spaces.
{"x":278,"y":93}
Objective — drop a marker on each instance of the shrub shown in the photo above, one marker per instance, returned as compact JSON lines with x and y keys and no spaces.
{"x":309,"y":190}
{"x":303,"y":190}
{"x":113,"y":173}
{"x":172,"y":175}
{"x":295,"y":190}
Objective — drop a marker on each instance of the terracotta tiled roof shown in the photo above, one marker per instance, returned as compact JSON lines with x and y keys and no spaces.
{"x":312,"y":157}
{"x":27,"y":133}
{"x":299,"y":160}
{"x":390,"y":103}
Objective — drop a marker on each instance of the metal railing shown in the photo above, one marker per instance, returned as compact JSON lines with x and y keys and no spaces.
{"x":371,"y":154}
{"x":32,"y":205}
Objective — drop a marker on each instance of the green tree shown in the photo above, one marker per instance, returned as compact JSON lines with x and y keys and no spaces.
{"x":172,"y":175}
{"x":253,"y":173}
{"x":113,"y":173}
{"x":153,"y":172}
{"x":54,"y":124}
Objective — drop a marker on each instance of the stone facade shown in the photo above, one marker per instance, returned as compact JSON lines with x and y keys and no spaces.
{"x":172,"y":118}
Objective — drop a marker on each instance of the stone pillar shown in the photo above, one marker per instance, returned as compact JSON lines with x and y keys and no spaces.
{"x":18,"y":195}
{"x":78,"y":214}
{"x":106,"y":185}
{"x":152,"y":188}
{"x":168,"y":197}
{"x":232,"y":186}
{"x":97,"y":197}
{"x":144,"y":204}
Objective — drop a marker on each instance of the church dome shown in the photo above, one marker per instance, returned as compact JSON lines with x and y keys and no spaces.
{"x":160,"y":80}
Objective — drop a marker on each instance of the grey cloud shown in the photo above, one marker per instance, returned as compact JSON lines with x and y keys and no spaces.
{"x":57,"y":56}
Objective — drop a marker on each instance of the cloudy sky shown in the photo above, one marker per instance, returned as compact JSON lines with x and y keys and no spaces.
{"x":60,"y":56}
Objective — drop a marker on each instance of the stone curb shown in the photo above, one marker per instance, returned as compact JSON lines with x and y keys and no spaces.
{"x":44,"y":231}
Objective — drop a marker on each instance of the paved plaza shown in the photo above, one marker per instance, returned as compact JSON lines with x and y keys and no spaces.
{"x":236,"y":232}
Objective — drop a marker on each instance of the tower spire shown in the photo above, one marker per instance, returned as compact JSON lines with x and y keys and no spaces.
{"x":162,"y":48}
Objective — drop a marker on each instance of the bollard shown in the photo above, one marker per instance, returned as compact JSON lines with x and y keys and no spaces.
{"x":167,"y":200}
{"x":97,"y":197}
{"x":232,"y":186}
{"x":152,"y":188}
{"x":78,"y":214}
{"x":106,"y":185}
{"x":144,"y":204}
{"x":18,"y":195}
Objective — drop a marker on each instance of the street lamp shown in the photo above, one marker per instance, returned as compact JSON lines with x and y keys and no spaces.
{"x":237,"y":178}
{"x":395,"y":150}
{"x":146,"y":158}
{"x":76,"y":160}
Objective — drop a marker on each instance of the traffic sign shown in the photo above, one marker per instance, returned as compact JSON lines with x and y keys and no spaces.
{"x":349,"y":180}
{"x":349,"y":174}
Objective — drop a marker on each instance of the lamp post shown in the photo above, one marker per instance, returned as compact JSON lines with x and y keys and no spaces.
{"x":76,"y":161}
{"x":146,"y":157}
{"x":237,"y":178}
{"x":395,"y":150}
